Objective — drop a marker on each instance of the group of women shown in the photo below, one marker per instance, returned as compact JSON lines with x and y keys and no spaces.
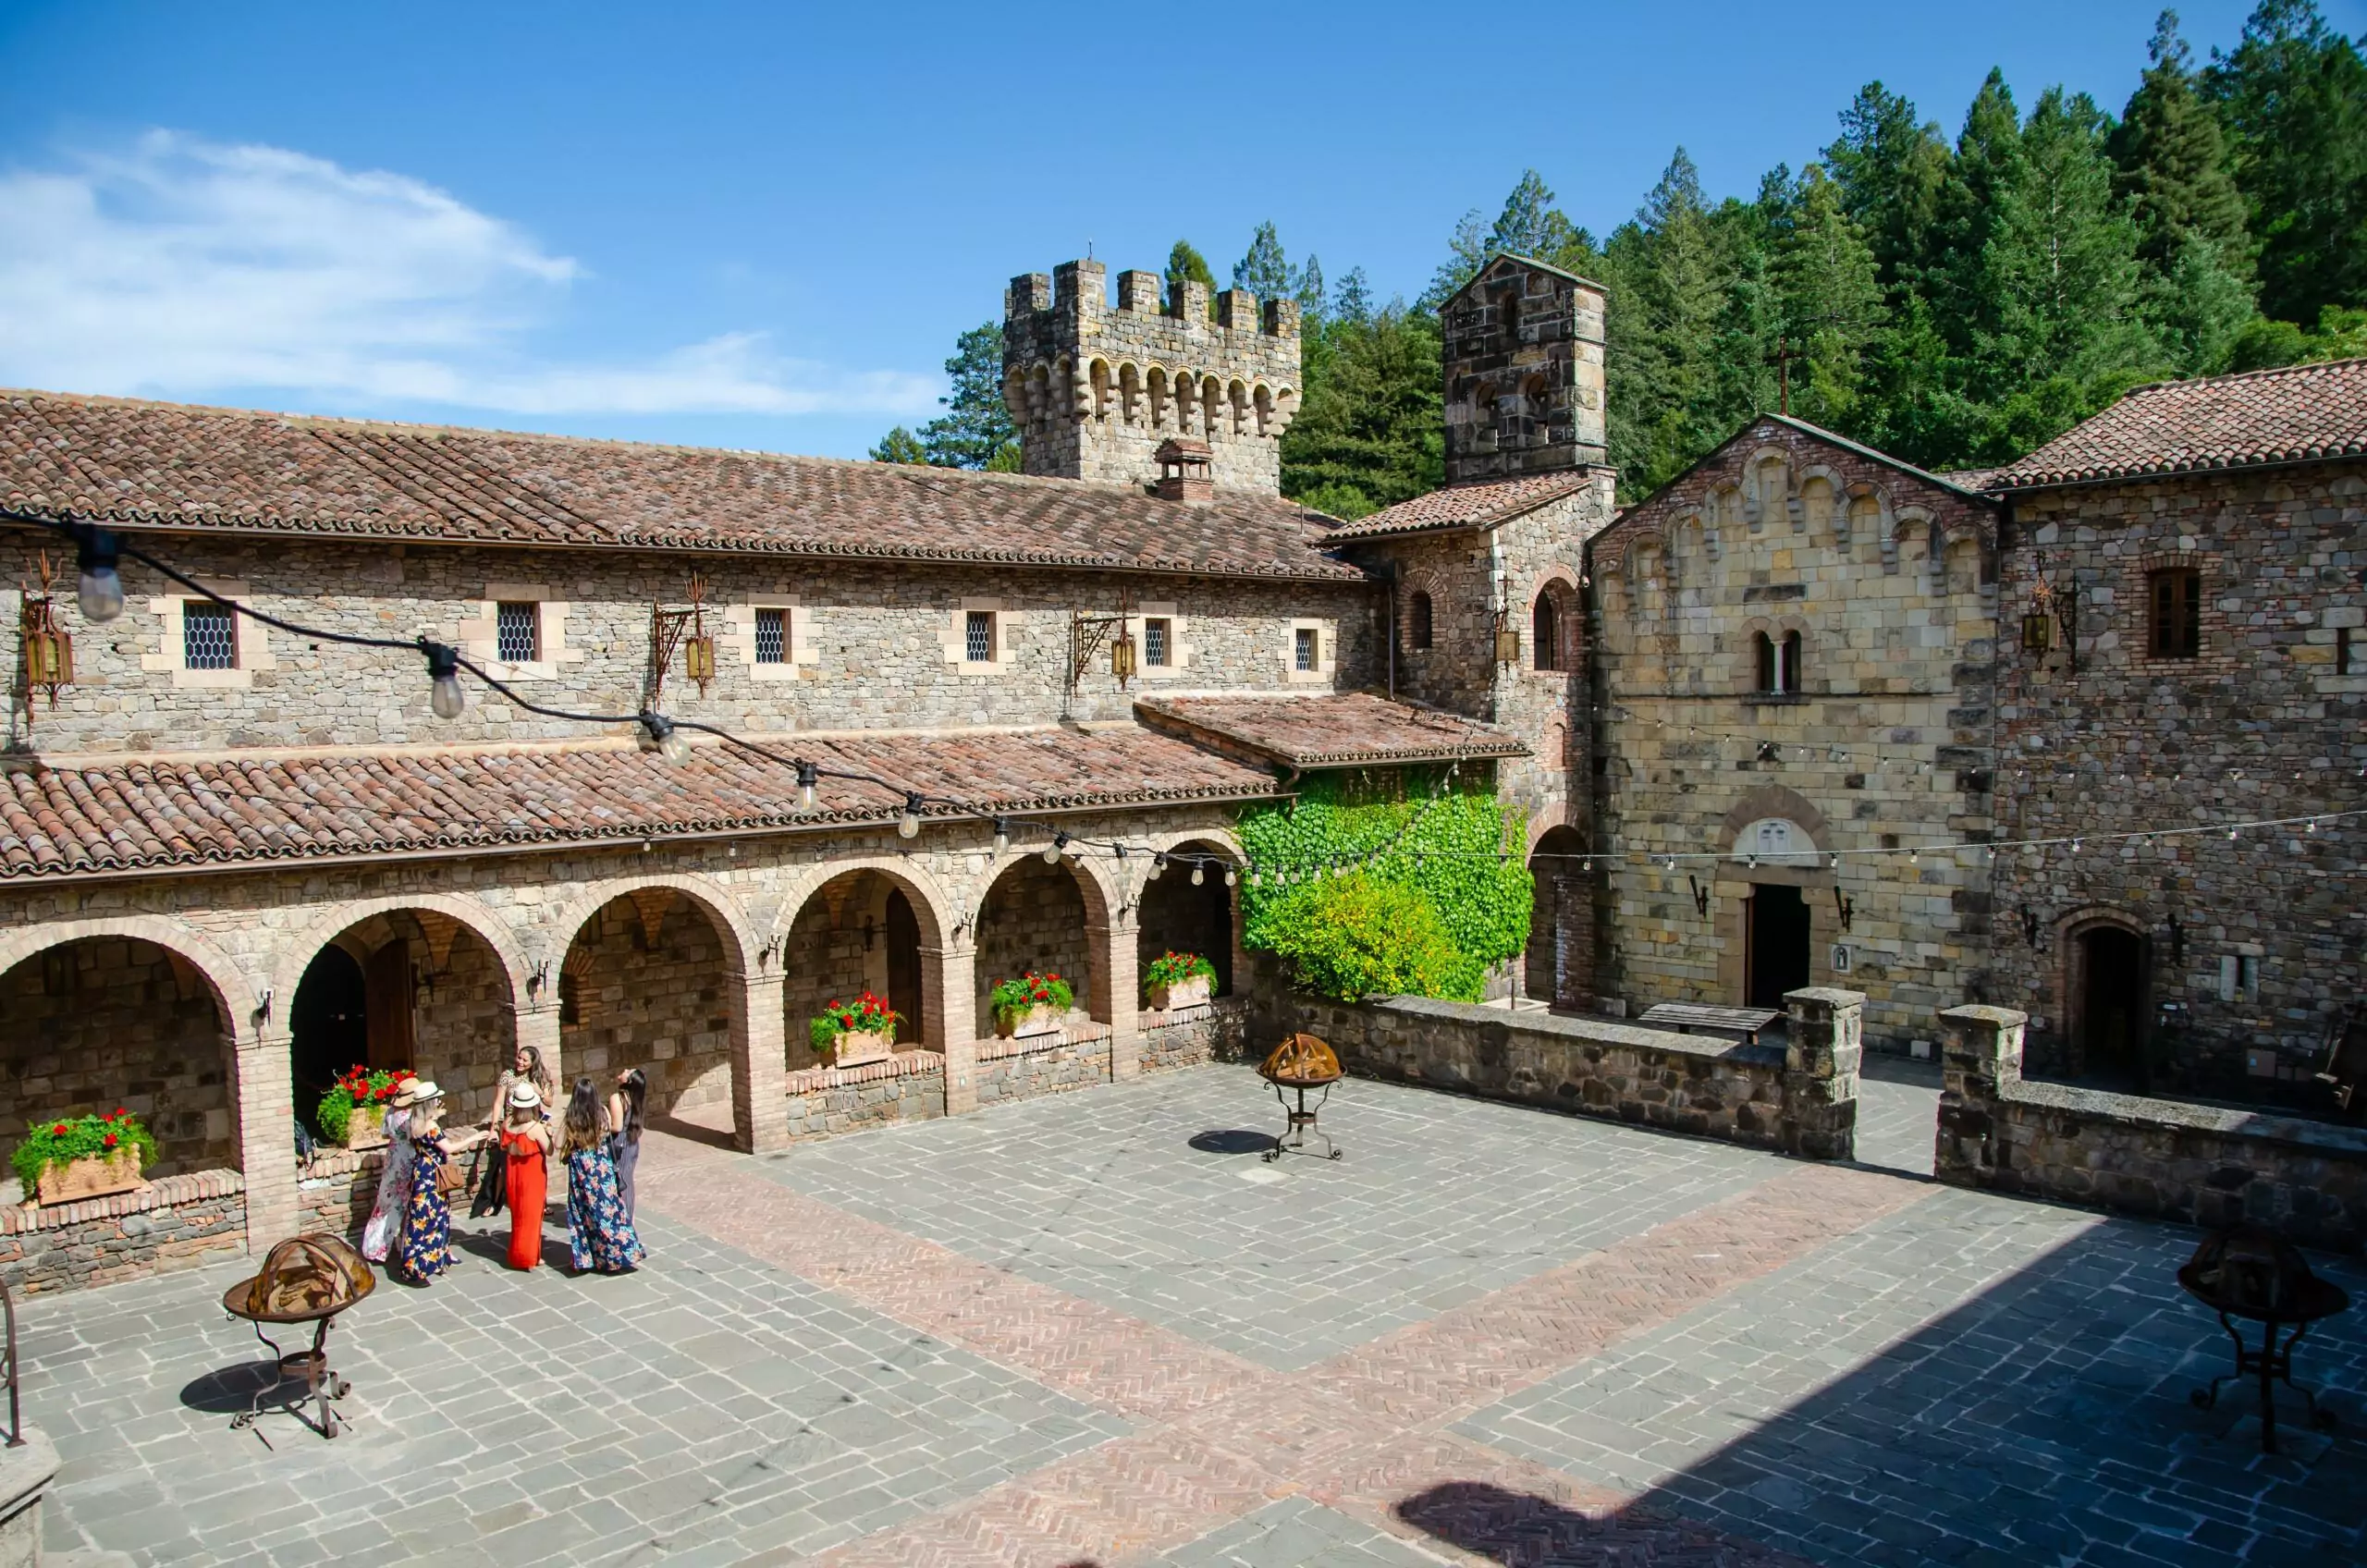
{"x":411,"y":1227}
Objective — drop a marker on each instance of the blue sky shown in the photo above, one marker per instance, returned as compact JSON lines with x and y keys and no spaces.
{"x":763,"y":224}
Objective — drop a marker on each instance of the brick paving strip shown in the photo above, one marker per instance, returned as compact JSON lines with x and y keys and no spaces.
{"x":1363,"y":1432}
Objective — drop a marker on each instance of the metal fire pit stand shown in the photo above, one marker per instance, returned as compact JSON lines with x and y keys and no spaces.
{"x":1301,"y":1120}
{"x":307,"y":1367}
{"x":2272,"y":1362}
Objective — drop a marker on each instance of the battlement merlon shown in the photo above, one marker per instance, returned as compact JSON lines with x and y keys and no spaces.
{"x":1078,"y":290}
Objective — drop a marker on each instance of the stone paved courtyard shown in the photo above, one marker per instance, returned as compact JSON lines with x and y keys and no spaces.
{"x":1096,"y":1329}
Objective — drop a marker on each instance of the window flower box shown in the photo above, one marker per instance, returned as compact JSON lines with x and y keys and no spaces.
{"x":857,"y":1047}
{"x":353,"y":1113}
{"x":850,"y":1034}
{"x":1031,"y":1005}
{"x":83,"y":1157}
{"x":1173,"y":980}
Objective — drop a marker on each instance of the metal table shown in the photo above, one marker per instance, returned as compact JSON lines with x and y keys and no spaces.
{"x":2316,"y":1299}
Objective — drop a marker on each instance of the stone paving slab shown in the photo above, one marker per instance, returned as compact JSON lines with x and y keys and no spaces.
{"x":1298,"y":1532}
{"x":1974,"y":1380}
{"x":1438,"y":1201}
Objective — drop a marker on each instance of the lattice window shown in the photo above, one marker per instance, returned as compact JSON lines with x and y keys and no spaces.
{"x":1303,"y":649}
{"x":209,"y":636}
{"x":772,"y":636}
{"x":518,"y":632}
{"x":1155,"y":641}
{"x":1419,"y":622}
{"x":978,"y":637}
{"x":2176,"y":621}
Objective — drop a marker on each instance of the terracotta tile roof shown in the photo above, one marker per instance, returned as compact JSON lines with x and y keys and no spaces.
{"x":176,"y":466}
{"x":2298,"y":414}
{"x":136,"y":815}
{"x":1465,"y":506}
{"x":1333,"y":729}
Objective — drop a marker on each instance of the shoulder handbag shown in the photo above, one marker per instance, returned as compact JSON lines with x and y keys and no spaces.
{"x":492,"y":1174}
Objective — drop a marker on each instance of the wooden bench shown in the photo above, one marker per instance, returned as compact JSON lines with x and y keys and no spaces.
{"x":1686,"y":1017}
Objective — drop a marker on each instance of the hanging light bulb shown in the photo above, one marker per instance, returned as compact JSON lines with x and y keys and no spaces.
{"x":1002,"y":836}
{"x":1157,"y":864}
{"x":2231,"y":835}
{"x":909,"y":825}
{"x":809,"y":778}
{"x":444,"y":698}
{"x":102,"y":589}
{"x":1052,"y":851}
{"x":1198,"y":876}
{"x":1232,"y":878}
{"x":670,"y":743}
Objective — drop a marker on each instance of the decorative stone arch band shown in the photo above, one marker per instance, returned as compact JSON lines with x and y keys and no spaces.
{"x":1789,"y":860}
{"x":478,"y":919}
{"x":235,"y":997}
{"x":943,"y":920}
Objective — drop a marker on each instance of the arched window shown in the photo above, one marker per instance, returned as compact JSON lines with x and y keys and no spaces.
{"x":1417,"y":621}
{"x":1779,"y":663}
{"x":1546,"y":632}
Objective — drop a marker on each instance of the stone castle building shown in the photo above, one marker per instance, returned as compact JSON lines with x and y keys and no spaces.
{"x":234,"y":860}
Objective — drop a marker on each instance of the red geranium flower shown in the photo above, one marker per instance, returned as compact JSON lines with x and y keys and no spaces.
{"x":121,"y":1113}
{"x":110,"y":1140}
{"x":58,"y":1131}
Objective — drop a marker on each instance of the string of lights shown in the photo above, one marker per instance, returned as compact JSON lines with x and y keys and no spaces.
{"x":100,"y":593}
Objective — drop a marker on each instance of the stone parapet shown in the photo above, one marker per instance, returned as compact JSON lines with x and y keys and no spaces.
{"x":1823,"y":1049}
{"x":174,"y":1222}
{"x":1046,"y":1064}
{"x":1735,"y":1092}
{"x":824,"y":1101}
{"x":2166,"y":1159}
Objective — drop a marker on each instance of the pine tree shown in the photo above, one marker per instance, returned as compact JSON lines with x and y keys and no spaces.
{"x":1530,"y":224}
{"x":1307,"y":287}
{"x":900,"y":446}
{"x":1265,"y":272}
{"x":1830,"y":303}
{"x":2192,"y":251}
{"x":1889,"y":168}
{"x":1368,"y":433}
{"x":1670,"y":279}
{"x":1185,"y":265}
{"x":2294,"y":96}
{"x":1987,"y":165}
{"x":976,"y":431}
{"x":1352,"y":302}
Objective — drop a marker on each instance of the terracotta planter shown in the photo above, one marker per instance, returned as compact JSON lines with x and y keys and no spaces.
{"x":857,"y":1047}
{"x":1017,"y":1025}
{"x":1182,"y":994}
{"x":91,"y":1178}
{"x":366,"y":1128}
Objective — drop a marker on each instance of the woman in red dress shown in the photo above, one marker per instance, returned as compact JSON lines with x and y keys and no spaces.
{"x":527,"y":1143}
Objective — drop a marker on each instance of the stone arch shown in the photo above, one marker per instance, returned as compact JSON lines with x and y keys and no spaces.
{"x":1187,"y":402}
{"x":1968,"y":562}
{"x":1774,"y":800}
{"x":1690,"y":551}
{"x":739,"y":944}
{"x":1905,"y":523}
{"x":1100,"y":383}
{"x":1821,"y":493}
{"x":1557,"y":964}
{"x":1237,"y":395}
{"x":1558,"y":814}
{"x":1130,"y":392}
{"x":297,"y":956}
{"x":1761,"y":507}
{"x":931,"y":902}
{"x":1555,"y":606}
{"x":234,"y":995}
{"x":1865,"y":510}
{"x":1155,"y":383}
{"x":1173,"y":912}
{"x":1039,"y":393}
{"x":1035,"y":923}
{"x":2071,"y":981}
{"x":1212,"y":401}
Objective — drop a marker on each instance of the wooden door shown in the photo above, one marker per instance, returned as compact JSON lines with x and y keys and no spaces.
{"x":387,"y":1000}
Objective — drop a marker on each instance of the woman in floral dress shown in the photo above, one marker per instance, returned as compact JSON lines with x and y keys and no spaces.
{"x":394,"y":1179}
{"x":423,"y":1247}
{"x":599,"y":1236}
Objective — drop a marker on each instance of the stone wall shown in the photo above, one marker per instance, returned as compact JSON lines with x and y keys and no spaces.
{"x":1046,"y":1064}
{"x":2166,"y":1159}
{"x":824,"y":1101}
{"x":1219,"y":1032}
{"x":1885,"y":576}
{"x":94,"y":1026}
{"x":1802,"y":1100}
{"x":1095,"y":388}
{"x":648,"y":977}
{"x":176,"y":1222}
{"x":1522,"y":346}
{"x":870,"y":645}
{"x":2246,"y":946}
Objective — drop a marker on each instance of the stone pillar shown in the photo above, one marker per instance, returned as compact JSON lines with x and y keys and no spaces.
{"x":266,"y":1100}
{"x":537,"y":1026}
{"x":1821,"y":1072}
{"x":759,"y":1064}
{"x":1981,"y":1057}
{"x":26,"y":1472}
{"x":1117,"y":993}
{"x":949,"y":989}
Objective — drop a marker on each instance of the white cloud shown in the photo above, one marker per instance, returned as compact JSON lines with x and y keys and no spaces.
{"x":185,"y":268}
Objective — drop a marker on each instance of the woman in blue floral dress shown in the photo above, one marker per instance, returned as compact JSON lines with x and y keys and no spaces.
{"x":600,"y":1236}
{"x":423,"y":1247}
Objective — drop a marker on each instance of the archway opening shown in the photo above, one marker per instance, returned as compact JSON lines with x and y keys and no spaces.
{"x":857,"y":932}
{"x":404,"y":988}
{"x":646,"y":987}
{"x":1778,"y":944}
{"x":1032,"y":918}
{"x":2111,"y":1004}
{"x":105,"y":1022}
{"x":1178,"y":916}
{"x":1561,"y":921}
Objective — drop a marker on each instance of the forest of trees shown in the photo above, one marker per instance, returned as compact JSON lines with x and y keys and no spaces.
{"x":1953,"y":303}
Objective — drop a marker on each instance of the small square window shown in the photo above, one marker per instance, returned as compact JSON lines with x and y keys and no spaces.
{"x":772,"y":636}
{"x":1154,"y":642}
{"x":978,"y":637}
{"x":2349,"y":652}
{"x":2176,"y":629}
{"x":209,"y":637}
{"x":1303,"y":649}
{"x":518,"y":632}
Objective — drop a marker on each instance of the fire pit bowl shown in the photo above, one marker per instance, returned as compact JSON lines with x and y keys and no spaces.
{"x":303,"y":1280}
{"x":2249,"y":1272}
{"x":1298,"y":1064}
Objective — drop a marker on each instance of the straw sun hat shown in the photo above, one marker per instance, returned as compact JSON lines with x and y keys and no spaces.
{"x":418,"y":1092}
{"x":524,"y":1096}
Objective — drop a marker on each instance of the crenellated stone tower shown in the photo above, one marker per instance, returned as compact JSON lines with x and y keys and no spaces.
{"x":1095,"y":390}
{"x":1523,"y":352}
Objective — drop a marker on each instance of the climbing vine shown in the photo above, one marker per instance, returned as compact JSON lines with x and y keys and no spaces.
{"x":1442,"y":837}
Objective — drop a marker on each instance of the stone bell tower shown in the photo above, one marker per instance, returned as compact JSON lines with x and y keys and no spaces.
{"x":1097,"y":390}
{"x":1523,"y":353}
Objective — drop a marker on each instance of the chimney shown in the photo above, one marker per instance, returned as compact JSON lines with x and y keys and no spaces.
{"x":1184,"y":472}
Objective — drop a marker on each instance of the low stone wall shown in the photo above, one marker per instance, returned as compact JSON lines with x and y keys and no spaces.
{"x":824,"y":1101}
{"x":174,"y":1222}
{"x":2166,"y":1159}
{"x":1801,"y":1100}
{"x":336,"y":1193}
{"x":1214,"y":1031}
{"x":1077,"y":1057}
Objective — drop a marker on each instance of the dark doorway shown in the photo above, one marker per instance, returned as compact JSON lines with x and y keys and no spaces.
{"x":1179,"y":916}
{"x":1561,"y":921}
{"x":2111,"y":1003}
{"x":328,"y":1026}
{"x":1779,"y":944}
{"x":904,"y":966}
{"x":386,"y":1004}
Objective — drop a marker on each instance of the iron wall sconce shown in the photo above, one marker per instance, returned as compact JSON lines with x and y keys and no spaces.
{"x":1700,"y":894}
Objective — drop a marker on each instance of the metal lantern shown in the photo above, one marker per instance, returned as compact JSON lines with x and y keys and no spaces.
{"x":698,"y":660}
{"x":2038,"y":631}
{"x":1121,"y":656}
